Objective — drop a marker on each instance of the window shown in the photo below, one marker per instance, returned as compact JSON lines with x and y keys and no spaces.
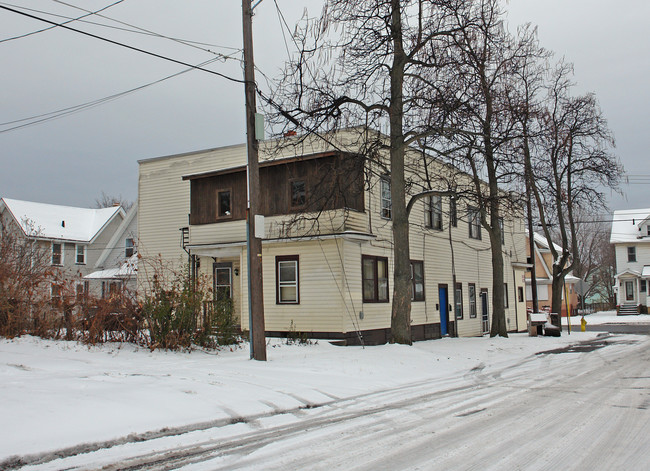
{"x":648,"y":229}
{"x":298,"y":193}
{"x":57,"y":254}
{"x":375,"y":279}
{"x":503,"y":234}
{"x":129,"y":248}
{"x":520,"y":294}
{"x":417,"y":277}
{"x":474,"y":221}
{"x":631,"y":254}
{"x":286,"y":274}
{"x":459,"y":300}
{"x":505,"y":295}
{"x":80,"y":251}
{"x":642,"y":286}
{"x":81,"y":290}
{"x":453,"y":214}
{"x":55,"y":292}
{"x":386,"y":202}
{"x":471,"y":289}
{"x":224,"y":204}
{"x":433,"y":215}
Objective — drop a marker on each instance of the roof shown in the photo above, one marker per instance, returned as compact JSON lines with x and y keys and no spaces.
{"x":627,"y":225}
{"x":50,"y":221}
{"x":127,"y":270}
{"x":542,"y":243}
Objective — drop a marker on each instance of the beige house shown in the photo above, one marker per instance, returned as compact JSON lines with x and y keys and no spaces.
{"x":327,"y":250}
{"x":75,"y":237}
{"x":544,"y":279}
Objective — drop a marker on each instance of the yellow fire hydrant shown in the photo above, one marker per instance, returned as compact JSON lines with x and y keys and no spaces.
{"x":583,"y":324}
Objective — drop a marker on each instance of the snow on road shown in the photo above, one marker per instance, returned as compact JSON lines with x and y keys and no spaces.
{"x":322,"y":406}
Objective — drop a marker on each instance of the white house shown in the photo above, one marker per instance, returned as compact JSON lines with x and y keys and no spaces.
{"x":75,"y":237}
{"x":631,"y":239}
{"x":117,"y":266}
{"x":327,"y":254}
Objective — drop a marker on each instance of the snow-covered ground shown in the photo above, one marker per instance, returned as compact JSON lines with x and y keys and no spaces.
{"x":59,"y":394}
{"x":610,"y":317}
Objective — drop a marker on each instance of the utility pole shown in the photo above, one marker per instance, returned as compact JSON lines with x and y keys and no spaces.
{"x":254,"y":243}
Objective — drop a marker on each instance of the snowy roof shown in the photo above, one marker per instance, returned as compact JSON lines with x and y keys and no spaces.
{"x":50,"y":221}
{"x":127,"y":270}
{"x":627,"y":226}
{"x":542,"y":243}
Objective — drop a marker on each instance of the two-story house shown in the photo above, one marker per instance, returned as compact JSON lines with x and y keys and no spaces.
{"x":631,"y":239}
{"x":74,"y":237}
{"x":328,"y":247}
{"x":117,"y":266}
{"x":543,"y":262}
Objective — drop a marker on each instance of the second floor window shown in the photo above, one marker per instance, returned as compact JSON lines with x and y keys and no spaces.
{"x":453,"y":214}
{"x":129,"y":248}
{"x":502,"y":230}
{"x":224,"y":209}
{"x":57,"y":254}
{"x":298,"y":193}
{"x":631,"y":254}
{"x":80,"y":258}
{"x":474,"y":221}
{"x":386,"y":202}
{"x":434,"y":213}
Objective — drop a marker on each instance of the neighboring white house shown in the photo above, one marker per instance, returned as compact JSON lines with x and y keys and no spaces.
{"x":75,"y":237}
{"x":631,"y":239}
{"x":329,"y":274}
{"x":117,"y":266}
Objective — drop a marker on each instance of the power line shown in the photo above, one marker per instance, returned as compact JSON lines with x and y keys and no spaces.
{"x":91,"y":104}
{"x":117,"y":43}
{"x":70,"y":20}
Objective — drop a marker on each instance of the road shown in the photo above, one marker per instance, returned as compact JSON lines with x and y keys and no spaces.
{"x":585,"y":407}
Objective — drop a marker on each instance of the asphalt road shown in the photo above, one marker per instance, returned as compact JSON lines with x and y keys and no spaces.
{"x":586,"y":407}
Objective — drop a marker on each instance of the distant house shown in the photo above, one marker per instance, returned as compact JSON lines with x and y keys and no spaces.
{"x":328,"y":247}
{"x":75,"y":237}
{"x":631,"y":239}
{"x":117,"y":266}
{"x":543,"y":260}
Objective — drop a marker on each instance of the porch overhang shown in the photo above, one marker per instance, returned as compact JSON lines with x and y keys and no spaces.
{"x":234,"y":249}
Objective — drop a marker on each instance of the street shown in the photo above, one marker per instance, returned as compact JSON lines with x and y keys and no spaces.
{"x":583,"y":407}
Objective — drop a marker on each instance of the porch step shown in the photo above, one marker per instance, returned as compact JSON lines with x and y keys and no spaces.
{"x":628,"y":309}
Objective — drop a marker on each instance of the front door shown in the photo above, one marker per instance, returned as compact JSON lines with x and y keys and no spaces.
{"x":485,"y":316}
{"x":222,"y":281}
{"x":444,"y":309}
{"x":629,"y":291}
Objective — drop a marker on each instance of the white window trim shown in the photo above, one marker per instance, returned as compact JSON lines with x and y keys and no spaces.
{"x":62,"y":244}
{"x":292,"y":283}
{"x":474,"y":220}
{"x":385,"y":182}
{"x":76,"y":253}
{"x":434,"y":207}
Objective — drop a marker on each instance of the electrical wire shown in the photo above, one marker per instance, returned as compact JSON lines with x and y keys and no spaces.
{"x":41,"y":118}
{"x":89,"y":13}
{"x":117,"y":43}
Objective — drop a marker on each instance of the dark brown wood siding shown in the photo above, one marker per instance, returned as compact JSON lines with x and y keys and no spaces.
{"x":331,"y":182}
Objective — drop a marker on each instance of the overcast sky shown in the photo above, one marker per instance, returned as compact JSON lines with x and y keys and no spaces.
{"x":72,"y":159}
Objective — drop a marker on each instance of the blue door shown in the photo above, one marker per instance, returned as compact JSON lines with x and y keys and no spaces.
{"x":444,"y":310}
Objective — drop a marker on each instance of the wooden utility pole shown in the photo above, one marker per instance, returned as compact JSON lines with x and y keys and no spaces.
{"x":254,"y":243}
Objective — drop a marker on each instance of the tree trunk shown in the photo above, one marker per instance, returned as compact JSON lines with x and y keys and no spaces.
{"x":400,"y":324}
{"x":499,"y":326}
{"x":556,"y":297}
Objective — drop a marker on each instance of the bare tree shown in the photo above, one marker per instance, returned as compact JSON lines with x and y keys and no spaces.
{"x":108,"y":201}
{"x":574,"y":166}
{"x":367,"y":62}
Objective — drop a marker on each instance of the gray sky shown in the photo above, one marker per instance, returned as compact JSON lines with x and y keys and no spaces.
{"x":72,"y":159}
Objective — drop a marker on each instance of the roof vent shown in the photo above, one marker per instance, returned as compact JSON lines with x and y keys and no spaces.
{"x":62,"y":223}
